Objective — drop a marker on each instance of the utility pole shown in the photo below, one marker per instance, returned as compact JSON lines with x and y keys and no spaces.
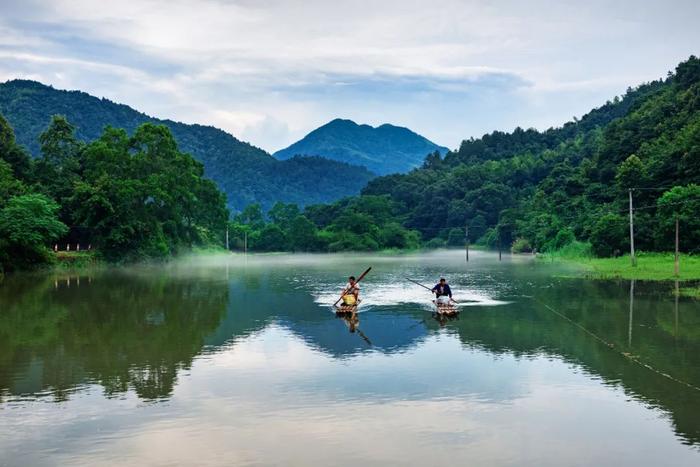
{"x":500,"y":242}
{"x":634,"y":260}
{"x":245,"y":242}
{"x":466,"y":240}
{"x":675,"y":262}
{"x":227,"y":249}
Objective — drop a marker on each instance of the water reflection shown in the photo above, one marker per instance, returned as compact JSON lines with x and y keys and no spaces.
{"x":260,"y":336}
{"x":122,"y":331}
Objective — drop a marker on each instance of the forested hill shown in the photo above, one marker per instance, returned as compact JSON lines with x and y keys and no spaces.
{"x":385,"y":149}
{"x":545,"y":189}
{"x":245,"y":173}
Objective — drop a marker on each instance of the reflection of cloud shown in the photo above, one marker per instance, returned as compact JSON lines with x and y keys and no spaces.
{"x":371,"y":410}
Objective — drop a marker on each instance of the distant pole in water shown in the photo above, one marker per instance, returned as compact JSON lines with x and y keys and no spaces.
{"x":675,"y":262}
{"x":466,"y":241}
{"x":675,"y":310}
{"x":629,"y":329}
{"x":634,"y":261}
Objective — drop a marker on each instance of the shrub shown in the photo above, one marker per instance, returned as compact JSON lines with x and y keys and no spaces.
{"x":521,"y":245}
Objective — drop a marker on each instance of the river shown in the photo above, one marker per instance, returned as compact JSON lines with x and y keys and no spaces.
{"x":232,"y":360}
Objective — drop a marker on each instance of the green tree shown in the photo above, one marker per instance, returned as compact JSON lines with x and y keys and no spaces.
{"x":58,"y":142}
{"x":283,"y":213}
{"x":455,"y":237}
{"x":142,"y":197}
{"x":272,"y":238}
{"x":608,"y":236}
{"x":631,"y":173}
{"x":394,"y":235}
{"x":303,"y":234}
{"x":9,"y":185}
{"x":252,"y":215}
{"x":682,"y":203}
{"x":28,"y":223}
{"x":11,"y":153}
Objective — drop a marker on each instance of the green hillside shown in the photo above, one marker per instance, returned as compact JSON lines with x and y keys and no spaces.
{"x":245,"y":173}
{"x":548,"y":188}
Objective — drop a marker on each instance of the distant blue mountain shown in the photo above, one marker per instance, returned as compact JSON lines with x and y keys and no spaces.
{"x":245,"y":173}
{"x":383,"y":150}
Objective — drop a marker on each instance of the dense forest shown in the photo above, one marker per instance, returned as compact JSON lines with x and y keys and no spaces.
{"x":542,"y":190}
{"x":128,"y":197}
{"x":245,"y":173}
{"x":530,"y":190}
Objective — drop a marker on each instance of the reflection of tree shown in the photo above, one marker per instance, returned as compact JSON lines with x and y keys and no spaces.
{"x":602,"y":308}
{"x":120,"y":331}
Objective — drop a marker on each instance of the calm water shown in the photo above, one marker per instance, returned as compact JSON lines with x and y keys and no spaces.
{"x":226,"y":361}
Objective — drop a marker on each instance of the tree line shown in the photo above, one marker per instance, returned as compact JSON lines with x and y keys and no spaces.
{"x":128,"y":196}
{"x":362,"y":223}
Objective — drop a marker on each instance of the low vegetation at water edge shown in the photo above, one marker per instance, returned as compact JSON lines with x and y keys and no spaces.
{"x":649,"y":266}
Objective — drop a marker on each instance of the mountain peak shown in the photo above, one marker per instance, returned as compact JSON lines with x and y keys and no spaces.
{"x":383,"y":149}
{"x":246,"y":174}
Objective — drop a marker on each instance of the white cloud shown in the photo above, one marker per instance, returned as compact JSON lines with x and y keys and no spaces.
{"x":273,"y":70}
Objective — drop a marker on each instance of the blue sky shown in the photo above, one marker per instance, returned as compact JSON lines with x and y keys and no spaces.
{"x":270,"y":71}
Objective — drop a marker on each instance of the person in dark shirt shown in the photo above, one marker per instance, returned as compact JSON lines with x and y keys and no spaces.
{"x":442,"y":289}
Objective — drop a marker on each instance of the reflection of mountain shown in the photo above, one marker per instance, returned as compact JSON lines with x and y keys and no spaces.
{"x":250,"y":310}
{"x":122,"y":332}
{"x":602,"y":308}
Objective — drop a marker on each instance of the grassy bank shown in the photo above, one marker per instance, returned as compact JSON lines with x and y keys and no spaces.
{"x":75,"y":259}
{"x":693,"y":292}
{"x":649,"y":266}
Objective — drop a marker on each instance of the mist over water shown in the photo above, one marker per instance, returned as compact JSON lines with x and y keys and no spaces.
{"x":239,"y":360}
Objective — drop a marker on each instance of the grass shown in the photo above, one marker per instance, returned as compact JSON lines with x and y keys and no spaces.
{"x":75,"y":259}
{"x":649,"y":266}
{"x":693,"y":292}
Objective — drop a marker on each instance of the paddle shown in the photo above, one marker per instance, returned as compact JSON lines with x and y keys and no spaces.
{"x":356,"y":281}
{"x":428,"y":288}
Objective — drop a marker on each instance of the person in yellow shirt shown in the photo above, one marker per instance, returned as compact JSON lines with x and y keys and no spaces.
{"x":351,"y":293}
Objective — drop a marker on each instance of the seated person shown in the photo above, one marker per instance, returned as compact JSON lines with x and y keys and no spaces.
{"x":442,"y":292}
{"x":351,"y":292}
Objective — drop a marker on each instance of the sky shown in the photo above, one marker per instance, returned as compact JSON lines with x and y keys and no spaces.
{"x":270,"y":71}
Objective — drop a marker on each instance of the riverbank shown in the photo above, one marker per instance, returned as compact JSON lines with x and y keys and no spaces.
{"x":75,"y":259}
{"x":649,"y":266}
